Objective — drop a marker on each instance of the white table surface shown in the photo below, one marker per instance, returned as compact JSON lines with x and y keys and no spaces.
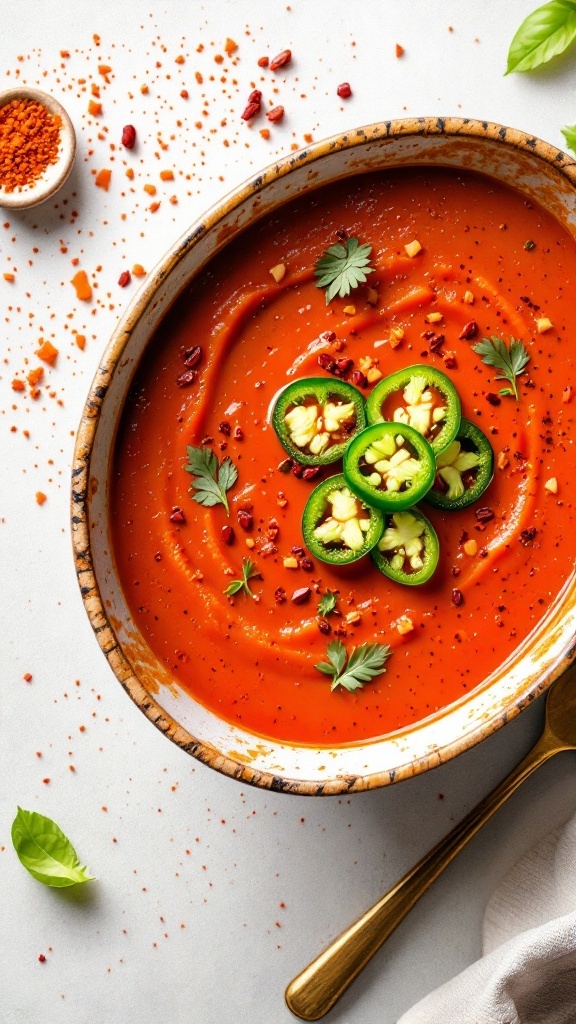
{"x":210,"y":895}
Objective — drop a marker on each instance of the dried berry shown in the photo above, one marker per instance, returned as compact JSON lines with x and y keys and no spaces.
{"x":124,"y":278}
{"x":227,"y":534}
{"x":301,"y":595}
{"x":297,"y":469}
{"x":238,"y":434}
{"x":344,"y":90}
{"x":281,"y":60}
{"x":493,"y":398}
{"x":280,"y":595}
{"x":342,"y":366}
{"x":324,"y":626}
{"x":255,"y":97}
{"x":310,"y":473}
{"x":276,"y":114}
{"x":177,"y":515}
{"x":359,"y":379}
{"x":245,"y":519}
{"x":326,"y":361}
{"x":129,"y":136}
{"x":457,"y":597}
{"x":250,"y":111}
{"x":307,"y":565}
{"x":484,"y":515}
{"x":527,"y":536}
{"x":225,"y":428}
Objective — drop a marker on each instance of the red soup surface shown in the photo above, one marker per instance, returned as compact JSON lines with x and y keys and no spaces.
{"x":489,"y":258}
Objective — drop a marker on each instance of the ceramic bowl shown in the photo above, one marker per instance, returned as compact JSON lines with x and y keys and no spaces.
{"x":537,"y":170}
{"x":48,"y":183}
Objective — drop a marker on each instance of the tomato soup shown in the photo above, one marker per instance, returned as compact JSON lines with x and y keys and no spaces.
{"x":489,"y":263}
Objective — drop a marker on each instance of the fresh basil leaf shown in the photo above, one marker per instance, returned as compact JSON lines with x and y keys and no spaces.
{"x":45,"y":851}
{"x":544,"y":34}
{"x":569,"y":134}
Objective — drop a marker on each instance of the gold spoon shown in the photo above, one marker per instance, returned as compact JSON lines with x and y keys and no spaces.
{"x":317,"y":988}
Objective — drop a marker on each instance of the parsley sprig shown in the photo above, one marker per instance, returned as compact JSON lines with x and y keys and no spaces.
{"x":249,"y":572}
{"x":343,"y":267}
{"x":511,"y":361}
{"x":327,"y":603}
{"x":213,"y":479}
{"x":365,"y":662}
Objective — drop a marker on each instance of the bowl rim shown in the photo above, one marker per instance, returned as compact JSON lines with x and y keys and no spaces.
{"x":80,"y":490}
{"x":39,"y":190}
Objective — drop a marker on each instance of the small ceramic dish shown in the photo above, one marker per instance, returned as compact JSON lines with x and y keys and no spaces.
{"x":51,"y":180}
{"x":540,"y":173}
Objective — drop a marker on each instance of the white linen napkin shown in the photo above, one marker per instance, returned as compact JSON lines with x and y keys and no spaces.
{"x":528,"y":972}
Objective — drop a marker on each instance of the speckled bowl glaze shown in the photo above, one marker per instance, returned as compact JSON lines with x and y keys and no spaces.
{"x":47,"y":184}
{"x":537,"y":170}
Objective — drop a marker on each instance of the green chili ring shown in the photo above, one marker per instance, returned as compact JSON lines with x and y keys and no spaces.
{"x":434,"y":378}
{"x":323,"y":391}
{"x":344,"y":541}
{"x":377,"y":447}
{"x":408,"y":551}
{"x":469,"y":441}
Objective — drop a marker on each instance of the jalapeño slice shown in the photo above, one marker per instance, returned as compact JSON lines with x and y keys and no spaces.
{"x":463,"y":470}
{"x":337,"y":526}
{"x":315,"y":418}
{"x":423,"y":398}
{"x":390,"y":466}
{"x":408,"y":550}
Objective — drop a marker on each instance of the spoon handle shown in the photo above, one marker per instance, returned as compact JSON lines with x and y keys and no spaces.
{"x":315,"y":990}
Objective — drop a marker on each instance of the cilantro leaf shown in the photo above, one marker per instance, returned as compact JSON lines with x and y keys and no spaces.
{"x":327,"y":603}
{"x":343,"y":267}
{"x":249,"y":572}
{"x":45,"y":851}
{"x":213,"y":479}
{"x":545,"y":33}
{"x":365,"y":662}
{"x":511,"y":361}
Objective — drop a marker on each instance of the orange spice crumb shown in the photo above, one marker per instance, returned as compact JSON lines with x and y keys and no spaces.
{"x":230,"y":46}
{"x":95,"y":90}
{"x":399,"y":50}
{"x":104,"y":69}
{"x":218,"y":58}
{"x":64,"y":53}
{"x":138,"y":270}
{"x":94,"y":108}
{"x":130,"y":173}
{"x":173,"y":200}
{"x":18,"y":385}
{"x":144,"y":89}
{"x":28,"y":129}
{"x":35,"y":376}
{"x":166,"y":175}
{"x":40,"y":499}
{"x":150,"y":189}
{"x":154,"y":207}
{"x":80,"y":340}
{"x":82,"y":286}
{"x":8,"y":277}
{"x":198,"y":77}
{"x":180,"y":59}
{"x":47,"y":352}
{"x":184,"y":94}
{"x":102,"y":179}
{"x":27,"y":677}
{"x":265,"y":133}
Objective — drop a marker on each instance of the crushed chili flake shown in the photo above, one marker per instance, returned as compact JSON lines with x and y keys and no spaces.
{"x":399,"y":50}
{"x":138,"y":270}
{"x":230,"y":46}
{"x":40,"y":497}
{"x":29,"y":142}
{"x":95,"y":109}
{"x":8,"y":277}
{"x":80,"y":340}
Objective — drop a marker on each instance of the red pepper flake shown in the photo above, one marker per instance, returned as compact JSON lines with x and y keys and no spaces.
{"x":46,"y":781}
{"x":280,"y":595}
{"x":276,"y":114}
{"x":129,"y":136}
{"x":184,"y":94}
{"x":187,"y":378}
{"x":527,"y":536}
{"x":470,"y":330}
{"x":192,"y":357}
{"x":225,"y":428}
{"x":310,"y":473}
{"x":177,"y":515}
{"x":42,"y":958}
{"x":359,"y":379}
{"x":238,"y":434}
{"x":265,"y":133}
{"x":493,"y":399}
{"x":250,"y":111}
{"x":484,"y":515}
{"x":344,"y":91}
{"x":324,"y":626}
{"x":457,"y":597}
{"x":102,"y":179}
{"x":138,"y":270}
{"x":281,"y":60}
{"x":399,"y":50}
{"x":124,"y":278}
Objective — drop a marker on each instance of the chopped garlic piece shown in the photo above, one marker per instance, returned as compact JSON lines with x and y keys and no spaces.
{"x":371,"y":296}
{"x":469,"y":298}
{"x":373,"y":374}
{"x":413,"y":248}
{"x":551,"y":485}
{"x":318,"y":443}
{"x":543,"y":325}
{"x":405,"y":538}
{"x":419,"y":401}
{"x":404,"y":625}
{"x":311,"y":425}
{"x":335,"y":415}
{"x":471,"y":547}
{"x":301,"y":423}
{"x":433,"y":318}
{"x":290,"y":562}
{"x":278,"y":272}
{"x":349,"y":310}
